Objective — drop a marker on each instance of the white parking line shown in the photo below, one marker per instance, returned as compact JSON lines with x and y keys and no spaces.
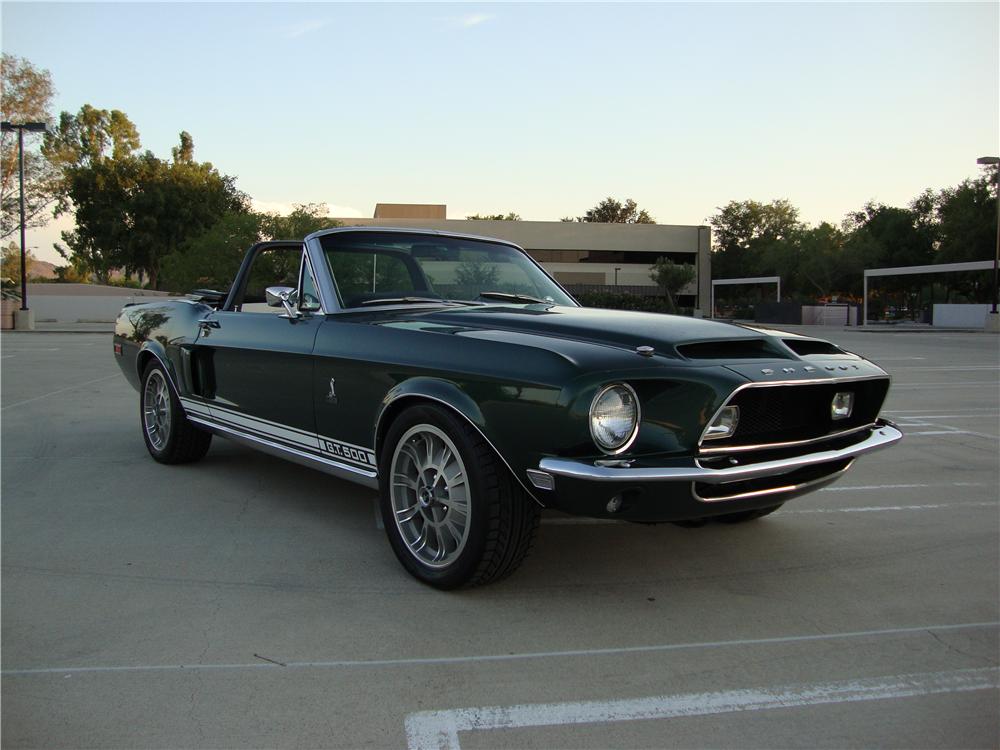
{"x":411,"y":662}
{"x":571,"y":521}
{"x":438,"y":730}
{"x":883,"y":508}
{"x":952,"y":432}
{"x":869,"y":487}
{"x":61,"y":390}
{"x":952,"y":384}
{"x":969,"y":368}
{"x":959,"y":412}
{"x":981,"y":415}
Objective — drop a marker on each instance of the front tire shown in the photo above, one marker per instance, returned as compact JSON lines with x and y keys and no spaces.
{"x":453,"y":513}
{"x":170,"y":438}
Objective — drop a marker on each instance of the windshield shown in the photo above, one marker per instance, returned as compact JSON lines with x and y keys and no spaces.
{"x":400,"y":268}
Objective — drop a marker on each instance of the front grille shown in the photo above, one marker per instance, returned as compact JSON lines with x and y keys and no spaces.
{"x":789,"y":413}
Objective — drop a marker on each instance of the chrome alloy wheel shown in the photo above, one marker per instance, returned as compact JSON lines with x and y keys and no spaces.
{"x":429,"y":493}
{"x":156,"y":410}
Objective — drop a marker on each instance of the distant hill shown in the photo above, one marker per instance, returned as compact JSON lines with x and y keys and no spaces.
{"x":40,"y":269}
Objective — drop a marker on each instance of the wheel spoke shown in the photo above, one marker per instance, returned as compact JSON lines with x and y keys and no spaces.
{"x":453,"y":530}
{"x":404,"y":480}
{"x":439,"y":549}
{"x":408,"y":514}
{"x":421,"y":541}
{"x":410,"y":451}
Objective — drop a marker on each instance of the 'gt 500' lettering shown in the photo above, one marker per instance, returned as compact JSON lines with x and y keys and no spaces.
{"x":346,"y":451}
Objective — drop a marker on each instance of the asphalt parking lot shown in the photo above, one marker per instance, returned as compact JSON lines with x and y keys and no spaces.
{"x":247,"y":602}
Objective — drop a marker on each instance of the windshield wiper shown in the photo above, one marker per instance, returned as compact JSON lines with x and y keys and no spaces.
{"x":513,"y":297}
{"x":403,"y":301}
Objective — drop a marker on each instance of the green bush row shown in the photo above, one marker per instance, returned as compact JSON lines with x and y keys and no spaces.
{"x":621,"y":301}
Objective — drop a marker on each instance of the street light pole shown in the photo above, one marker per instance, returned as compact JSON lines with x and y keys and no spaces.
{"x":31,"y":127}
{"x":994,"y":161}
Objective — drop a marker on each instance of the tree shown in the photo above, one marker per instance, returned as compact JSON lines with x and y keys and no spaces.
{"x":211,"y":259}
{"x":94,"y":151}
{"x":10,"y":263}
{"x":304,"y":219}
{"x":671,"y":277}
{"x":824,"y":264}
{"x":611,"y":211}
{"x":132,"y":210}
{"x":886,"y":236}
{"x":90,"y":137}
{"x":743,"y":232}
{"x":966,"y":220}
{"x":495,"y":217}
{"x":27,"y":97}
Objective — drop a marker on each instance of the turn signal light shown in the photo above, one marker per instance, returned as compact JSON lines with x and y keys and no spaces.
{"x":724,"y":424}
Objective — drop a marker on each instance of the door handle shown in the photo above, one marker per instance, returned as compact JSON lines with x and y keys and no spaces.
{"x":207,"y":323}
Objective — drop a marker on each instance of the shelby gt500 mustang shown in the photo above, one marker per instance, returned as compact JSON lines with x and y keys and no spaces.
{"x":455,"y":376}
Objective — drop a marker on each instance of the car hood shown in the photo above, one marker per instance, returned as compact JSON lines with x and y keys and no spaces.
{"x":618,"y":328}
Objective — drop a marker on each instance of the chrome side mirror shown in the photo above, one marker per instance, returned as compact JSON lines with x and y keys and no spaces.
{"x":282,"y":296}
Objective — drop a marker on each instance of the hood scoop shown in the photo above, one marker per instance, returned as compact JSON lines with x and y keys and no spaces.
{"x":733,"y":349}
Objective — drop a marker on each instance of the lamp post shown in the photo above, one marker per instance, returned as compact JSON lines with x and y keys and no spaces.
{"x":24,"y":320}
{"x":993,"y":321}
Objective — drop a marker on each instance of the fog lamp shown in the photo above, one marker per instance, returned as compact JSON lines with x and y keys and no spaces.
{"x":724,"y":424}
{"x":842,"y":405}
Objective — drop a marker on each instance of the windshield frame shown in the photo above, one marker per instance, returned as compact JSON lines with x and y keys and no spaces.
{"x":318,"y":249}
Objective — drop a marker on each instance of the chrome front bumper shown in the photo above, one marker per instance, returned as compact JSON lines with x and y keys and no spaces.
{"x":882,"y":435}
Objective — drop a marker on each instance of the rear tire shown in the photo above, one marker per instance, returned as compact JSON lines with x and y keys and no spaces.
{"x":170,"y":438}
{"x":453,"y":513}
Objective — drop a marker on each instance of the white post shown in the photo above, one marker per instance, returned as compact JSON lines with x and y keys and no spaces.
{"x":864,"y":300}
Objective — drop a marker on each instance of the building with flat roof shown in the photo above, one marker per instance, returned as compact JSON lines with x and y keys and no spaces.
{"x":577,"y":252}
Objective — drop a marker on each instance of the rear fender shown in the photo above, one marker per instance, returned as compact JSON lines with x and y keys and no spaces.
{"x":154,"y":350}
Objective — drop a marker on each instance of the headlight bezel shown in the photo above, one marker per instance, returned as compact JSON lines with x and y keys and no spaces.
{"x":633,"y":432}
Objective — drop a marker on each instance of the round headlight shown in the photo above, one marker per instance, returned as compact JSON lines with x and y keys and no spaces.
{"x":614,"y":418}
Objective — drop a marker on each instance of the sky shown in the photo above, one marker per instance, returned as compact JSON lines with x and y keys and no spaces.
{"x":541,"y":109}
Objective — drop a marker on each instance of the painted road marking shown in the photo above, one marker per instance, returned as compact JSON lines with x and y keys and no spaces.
{"x":952,"y":432}
{"x":960,"y":412}
{"x":878,"y":508}
{"x":438,"y":730}
{"x":571,"y":521}
{"x":382,"y":663}
{"x":952,"y":384}
{"x":61,"y":390}
{"x":864,"y":487}
{"x":969,"y":368}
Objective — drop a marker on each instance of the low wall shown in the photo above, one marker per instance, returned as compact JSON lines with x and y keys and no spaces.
{"x":829,"y":315}
{"x":83,"y":303}
{"x":960,"y":316}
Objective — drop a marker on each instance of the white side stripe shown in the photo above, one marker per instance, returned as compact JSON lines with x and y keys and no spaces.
{"x":439,"y":729}
{"x":291,"y":435}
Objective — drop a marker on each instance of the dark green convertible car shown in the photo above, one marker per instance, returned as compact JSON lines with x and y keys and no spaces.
{"x":455,"y":376}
